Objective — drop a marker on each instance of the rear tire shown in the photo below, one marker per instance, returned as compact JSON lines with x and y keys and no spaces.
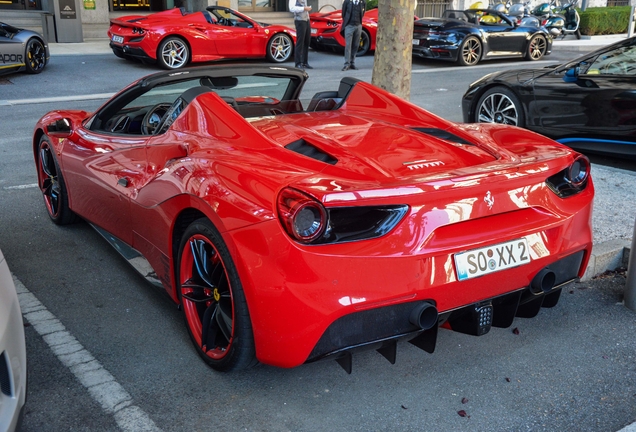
{"x":173,"y":53}
{"x":213,"y":301}
{"x":365,"y":44}
{"x":537,"y":47}
{"x":469,"y":52}
{"x":35,"y":56}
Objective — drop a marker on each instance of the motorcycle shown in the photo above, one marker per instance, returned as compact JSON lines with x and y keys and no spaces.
{"x":521,"y":13}
{"x":559,"y":21}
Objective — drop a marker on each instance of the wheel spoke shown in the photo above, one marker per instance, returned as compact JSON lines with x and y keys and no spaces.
{"x":224,"y":320}
{"x":46,"y":161}
{"x":54,"y":199}
{"x":195,"y":293}
{"x":201,"y":261}
{"x":209,"y":328}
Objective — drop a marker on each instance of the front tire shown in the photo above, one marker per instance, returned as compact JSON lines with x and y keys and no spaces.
{"x":537,"y":48}
{"x":499,"y":105}
{"x":279,"y":48}
{"x":365,"y":44}
{"x":35,"y":56}
{"x":469,"y":52}
{"x":213,"y":300}
{"x":173,"y":53}
{"x":52,"y":185}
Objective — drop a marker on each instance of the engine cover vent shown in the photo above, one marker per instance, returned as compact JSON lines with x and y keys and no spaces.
{"x":306,"y":149}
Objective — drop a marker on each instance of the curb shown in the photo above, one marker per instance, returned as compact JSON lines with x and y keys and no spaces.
{"x":608,"y":255}
{"x":629,"y":428}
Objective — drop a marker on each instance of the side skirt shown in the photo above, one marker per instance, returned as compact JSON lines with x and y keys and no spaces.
{"x":133,"y":256}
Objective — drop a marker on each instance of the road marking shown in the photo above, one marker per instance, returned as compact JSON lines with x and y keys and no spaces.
{"x":25,"y":186}
{"x":101,"y":385}
{"x":12,"y":102}
{"x":480,"y":66}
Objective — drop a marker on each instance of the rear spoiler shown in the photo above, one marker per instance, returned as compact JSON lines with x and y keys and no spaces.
{"x":129,"y":21}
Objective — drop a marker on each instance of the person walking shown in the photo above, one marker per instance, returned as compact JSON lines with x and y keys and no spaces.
{"x":351,"y":30}
{"x":303,"y":32}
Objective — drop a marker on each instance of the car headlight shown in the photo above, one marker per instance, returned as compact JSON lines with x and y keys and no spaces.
{"x":571,"y":180}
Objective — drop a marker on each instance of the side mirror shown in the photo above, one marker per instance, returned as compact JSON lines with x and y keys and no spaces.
{"x":62,"y":128}
{"x":571,"y":75}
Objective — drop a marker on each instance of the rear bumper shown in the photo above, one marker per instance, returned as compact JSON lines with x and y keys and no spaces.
{"x":446,"y":53}
{"x":128,"y":51}
{"x":307,"y":303}
{"x":325,"y":42}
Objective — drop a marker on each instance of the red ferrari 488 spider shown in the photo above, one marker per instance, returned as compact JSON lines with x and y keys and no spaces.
{"x":175,"y":38}
{"x":294,"y":230}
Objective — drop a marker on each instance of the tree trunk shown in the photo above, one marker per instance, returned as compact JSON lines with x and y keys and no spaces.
{"x":393,"y":54}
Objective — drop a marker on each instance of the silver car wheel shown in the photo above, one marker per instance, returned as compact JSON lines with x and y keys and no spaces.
{"x":280,"y":48}
{"x":498,"y":108}
{"x":174,"y":53}
{"x":537,"y":48}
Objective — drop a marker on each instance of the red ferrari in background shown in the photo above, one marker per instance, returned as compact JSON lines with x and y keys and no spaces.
{"x":175,"y":38}
{"x":325,"y":31}
{"x":293,"y":230}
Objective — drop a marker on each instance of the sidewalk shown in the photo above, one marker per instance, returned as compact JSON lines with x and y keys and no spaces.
{"x":586,"y":43}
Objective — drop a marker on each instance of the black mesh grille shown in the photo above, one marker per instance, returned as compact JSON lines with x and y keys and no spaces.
{"x":5,"y":379}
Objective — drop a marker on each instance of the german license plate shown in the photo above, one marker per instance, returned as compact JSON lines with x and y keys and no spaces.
{"x":314,"y":31}
{"x":118,"y":39}
{"x":490,"y":259}
{"x":415,"y":42}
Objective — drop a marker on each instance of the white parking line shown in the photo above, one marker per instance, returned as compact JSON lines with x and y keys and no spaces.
{"x":101,"y":385}
{"x":24,"y":186}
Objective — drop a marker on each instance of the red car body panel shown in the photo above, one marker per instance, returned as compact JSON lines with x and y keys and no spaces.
{"x":231,"y":169}
{"x":207,"y":41}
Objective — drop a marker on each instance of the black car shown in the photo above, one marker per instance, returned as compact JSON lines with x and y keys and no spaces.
{"x":469,"y":36}
{"x":588,"y":103}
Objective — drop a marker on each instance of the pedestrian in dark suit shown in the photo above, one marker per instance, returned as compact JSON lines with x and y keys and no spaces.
{"x":351,"y":30}
{"x":303,"y":32}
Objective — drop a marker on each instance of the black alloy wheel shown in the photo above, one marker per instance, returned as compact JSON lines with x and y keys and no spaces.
{"x":52,"y":185}
{"x":365,"y":44}
{"x":35,"y":56}
{"x":213,"y":301}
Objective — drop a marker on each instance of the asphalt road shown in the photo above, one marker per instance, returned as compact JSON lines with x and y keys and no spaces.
{"x":572,"y":368}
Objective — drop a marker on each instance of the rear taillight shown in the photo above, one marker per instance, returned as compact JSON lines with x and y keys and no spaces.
{"x":571,"y":180}
{"x":578,"y":171}
{"x":303,"y":217}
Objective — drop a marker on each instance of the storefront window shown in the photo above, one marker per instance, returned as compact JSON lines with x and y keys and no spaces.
{"x":21,"y":4}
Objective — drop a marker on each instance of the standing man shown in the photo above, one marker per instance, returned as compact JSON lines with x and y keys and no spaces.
{"x":303,"y":32}
{"x":351,"y":29}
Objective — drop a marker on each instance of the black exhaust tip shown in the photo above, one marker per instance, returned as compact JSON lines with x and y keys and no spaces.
{"x":543,"y":282}
{"x":424,"y":316}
